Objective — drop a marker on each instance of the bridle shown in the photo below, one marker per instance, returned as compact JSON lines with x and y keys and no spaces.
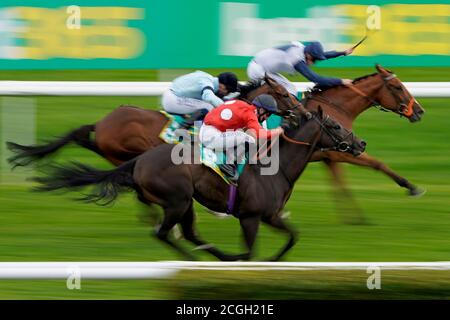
{"x":403,"y":108}
{"x":340,"y":144}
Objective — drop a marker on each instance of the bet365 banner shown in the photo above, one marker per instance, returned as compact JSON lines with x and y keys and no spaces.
{"x":60,"y":34}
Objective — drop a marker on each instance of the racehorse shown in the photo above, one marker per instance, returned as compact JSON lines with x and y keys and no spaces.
{"x":128,"y":132}
{"x":157,"y":180}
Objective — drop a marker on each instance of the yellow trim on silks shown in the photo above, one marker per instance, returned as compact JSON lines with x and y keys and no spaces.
{"x":170,"y":118}
{"x":219,"y":172}
{"x":212,"y":165}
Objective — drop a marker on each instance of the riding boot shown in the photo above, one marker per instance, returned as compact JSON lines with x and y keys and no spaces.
{"x":189,"y":119}
{"x":230,"y":171}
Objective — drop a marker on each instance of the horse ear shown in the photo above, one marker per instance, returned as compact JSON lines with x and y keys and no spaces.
{"x":380,"y":69}
{"x":320,"y":110}
{"x":268,"y":79}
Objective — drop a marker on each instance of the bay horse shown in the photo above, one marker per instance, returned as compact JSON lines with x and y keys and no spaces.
{"x":127,"y":131}
{"x":157,"y":180}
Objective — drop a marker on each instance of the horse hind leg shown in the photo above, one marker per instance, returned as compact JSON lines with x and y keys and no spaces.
{"x":187,"y":225}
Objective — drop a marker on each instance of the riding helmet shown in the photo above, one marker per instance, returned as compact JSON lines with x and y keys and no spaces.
{"x":266,"y":102}
{"x":230,"y":81}
{"x":315,"y":49}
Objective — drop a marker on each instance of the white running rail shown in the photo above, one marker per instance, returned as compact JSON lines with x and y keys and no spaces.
{"x":110,"y":88}
{"x":165,"y":269}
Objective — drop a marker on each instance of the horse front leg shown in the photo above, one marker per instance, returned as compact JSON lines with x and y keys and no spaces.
{"x":367,"y":161}
{"x":347,"y":207}
{"x":187,"y":225}
{"x":249,"y":226}
{"x":279,"y":223}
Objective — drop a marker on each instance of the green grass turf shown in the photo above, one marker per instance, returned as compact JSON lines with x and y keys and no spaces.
{"x":53,"y":227}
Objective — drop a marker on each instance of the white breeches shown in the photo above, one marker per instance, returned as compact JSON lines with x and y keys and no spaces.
{"x":256,"y":72}
{"x":181,"y":105}
{"x":213,"y":138}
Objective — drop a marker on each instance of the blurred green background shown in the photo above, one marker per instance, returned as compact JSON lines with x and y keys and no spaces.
{"x":54,"y":227}
{"x":101,"y":35}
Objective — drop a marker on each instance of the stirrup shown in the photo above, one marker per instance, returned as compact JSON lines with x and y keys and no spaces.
{"x":230,"y":171}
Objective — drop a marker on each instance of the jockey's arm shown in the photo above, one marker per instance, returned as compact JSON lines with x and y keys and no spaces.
{"x":334,"y":54}
{"x":303,"y":68}
{"x":257,"y":131}
{"x":208,"y":95}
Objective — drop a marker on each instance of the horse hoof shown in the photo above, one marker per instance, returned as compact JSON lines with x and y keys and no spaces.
{"x":417,"y":192}
{"x":205,"y":246}
{"x":220,"y":215}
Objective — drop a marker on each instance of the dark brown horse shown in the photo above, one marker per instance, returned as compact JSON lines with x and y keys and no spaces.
{"x":128,"y":131}
{"x":157,"y":180}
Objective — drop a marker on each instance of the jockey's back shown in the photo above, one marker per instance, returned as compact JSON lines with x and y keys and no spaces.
{"x":281,"y":59}
{"x":193,"y":84}
{"x":233,"y":115}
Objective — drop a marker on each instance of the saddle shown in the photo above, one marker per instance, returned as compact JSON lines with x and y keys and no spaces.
{"x":215,"y":160}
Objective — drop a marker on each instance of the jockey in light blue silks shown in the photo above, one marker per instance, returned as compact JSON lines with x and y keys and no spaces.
{"x":294,"y":58}
{"x":198,"y":92}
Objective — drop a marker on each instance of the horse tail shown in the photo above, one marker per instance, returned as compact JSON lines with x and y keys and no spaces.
{"x":108,"y":183}
{"x":25,"y":155}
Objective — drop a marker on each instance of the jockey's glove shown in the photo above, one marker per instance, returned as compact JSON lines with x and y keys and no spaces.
{"x":231,"y":96}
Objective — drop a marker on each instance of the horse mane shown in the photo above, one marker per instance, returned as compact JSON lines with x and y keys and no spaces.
{"x":318,"y":89}
{"x":364,"y":77}
{"x":251,"y":85}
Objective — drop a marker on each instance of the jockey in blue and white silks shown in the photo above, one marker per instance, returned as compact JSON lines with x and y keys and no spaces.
{"x":294,"y":58}
{"x":198,"y":91}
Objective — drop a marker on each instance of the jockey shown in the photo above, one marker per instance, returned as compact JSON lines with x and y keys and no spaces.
{"x":223,"y":127}
{"x":197,"y":93}
{"x":294,"y":58}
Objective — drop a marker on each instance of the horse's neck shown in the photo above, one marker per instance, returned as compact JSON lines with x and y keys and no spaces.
{"x":351,"y":101}
{"x":255,"y":92}
{"x":294,"y":157}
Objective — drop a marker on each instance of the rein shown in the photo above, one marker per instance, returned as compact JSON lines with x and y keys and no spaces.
{"x":285,"y":137}
{"x":340,"y":146}
{"x":403,"y":109}
{"x":362,"y":94}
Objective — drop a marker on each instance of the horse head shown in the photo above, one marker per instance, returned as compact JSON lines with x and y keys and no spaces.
{"x":332,"y":136}
{"x":394,"y":96}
